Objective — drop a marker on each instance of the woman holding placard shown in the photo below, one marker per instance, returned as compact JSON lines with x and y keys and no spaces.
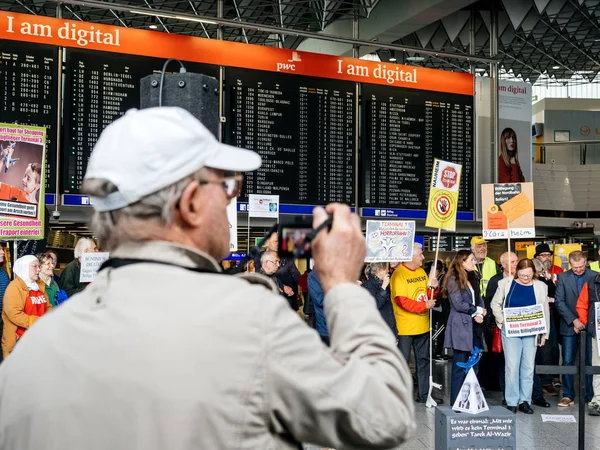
{"x":466,"y":311}
{"x":519,"y":344}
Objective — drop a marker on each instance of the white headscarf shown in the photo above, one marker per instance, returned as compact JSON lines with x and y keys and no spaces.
{"x":21,"y":270}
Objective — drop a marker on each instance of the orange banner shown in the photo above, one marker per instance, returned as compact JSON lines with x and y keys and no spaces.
{"x":93,"y":36}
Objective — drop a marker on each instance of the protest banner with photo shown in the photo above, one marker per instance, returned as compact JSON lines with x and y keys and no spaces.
{"x":507,"y":207}
{"x":525,"y":321}
{"x":90,"y":264}
{"x":232,"y":219}
{"x":470,"y":398}
{"x":390,"y":241}
{"x":443,"y":195}
{"x":263,"y":206}
{"x":22,"y":181}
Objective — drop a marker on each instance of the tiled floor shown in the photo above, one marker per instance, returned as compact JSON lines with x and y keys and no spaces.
{"x":532,"y":433}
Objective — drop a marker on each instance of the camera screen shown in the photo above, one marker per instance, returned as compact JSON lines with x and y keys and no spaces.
{"x":291,"y":242}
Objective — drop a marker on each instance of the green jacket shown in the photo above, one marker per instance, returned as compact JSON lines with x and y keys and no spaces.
{"x":51,"y":290}
{"x":69,"y":279}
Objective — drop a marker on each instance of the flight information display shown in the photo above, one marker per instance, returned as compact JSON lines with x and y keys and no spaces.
{"x":302,"y":127}
{"x":29,"y":93}
{"x":99,"y":88}
{"x":403,"y":130}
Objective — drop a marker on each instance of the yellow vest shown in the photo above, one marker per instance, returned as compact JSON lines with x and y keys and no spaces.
{"x":489,"y":270}
{"x":595,"y":266}
{"x":410,"y":284}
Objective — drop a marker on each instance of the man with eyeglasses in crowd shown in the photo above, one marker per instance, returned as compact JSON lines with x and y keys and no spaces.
{"x":270,"y":263}
{"x":568,"y":288}
{"x":206,"y":360}
{"x":550,"y":351}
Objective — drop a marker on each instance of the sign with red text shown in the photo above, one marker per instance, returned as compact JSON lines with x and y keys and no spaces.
{"x":390,"y":241}
{"x":22,"y":181}
{"x":525,"y":321}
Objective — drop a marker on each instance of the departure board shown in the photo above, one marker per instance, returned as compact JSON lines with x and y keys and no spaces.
{"x":403,"y":130}
{"x":302,"y":127}
{"x":99,"y":88}
{"x":29,"y":93}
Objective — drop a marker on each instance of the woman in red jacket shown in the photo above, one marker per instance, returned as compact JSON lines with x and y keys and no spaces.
{"x":509,"y":168}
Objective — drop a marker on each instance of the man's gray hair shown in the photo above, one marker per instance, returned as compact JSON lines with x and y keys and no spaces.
{"x":267,"y":253}
{"x":127,"y":224}
{"x":82,"y":245}
{"x":504,"y":255}
{"x":417,"y":246}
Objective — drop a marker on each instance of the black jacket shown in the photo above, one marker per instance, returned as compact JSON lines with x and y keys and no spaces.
{"x":383,"y":301}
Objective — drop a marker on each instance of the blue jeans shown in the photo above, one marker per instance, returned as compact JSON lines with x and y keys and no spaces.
{"x":569,"y":350}
{"x":519,"y":356}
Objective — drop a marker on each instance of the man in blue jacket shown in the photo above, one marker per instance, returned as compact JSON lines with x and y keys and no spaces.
{"x":568,"y":288}
{"x":316,"y":294}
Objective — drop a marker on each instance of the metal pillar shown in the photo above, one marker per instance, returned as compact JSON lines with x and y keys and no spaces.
{"x":59,"y":105}
{"x":355,"y":54}
{"x":472,"y":47}
{"x":494,"y":125}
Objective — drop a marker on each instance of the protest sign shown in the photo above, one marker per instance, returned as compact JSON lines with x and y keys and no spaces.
{"x":90,"y":264}
{"x":507,"y":207}
{"x":443,"y":195}
{"x":263,"y":206}
{"x":390,"y":241}
{"x":525,"y":321}
{"x":22,"y":181}
{"x":470,"y":398}
{"x":558,"y":418}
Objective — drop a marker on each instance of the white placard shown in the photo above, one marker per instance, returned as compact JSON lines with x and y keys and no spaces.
{"x":263,"y":206}
{"x":232,"y":219}
{"x":470,"y":398}
{"x":390,"y":241}
{"x":525,"y":321}
{"x":90,"y":264}
{"x":558,"y":418}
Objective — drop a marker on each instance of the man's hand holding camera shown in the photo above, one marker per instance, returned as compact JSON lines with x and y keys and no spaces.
{"x":339,"y":254}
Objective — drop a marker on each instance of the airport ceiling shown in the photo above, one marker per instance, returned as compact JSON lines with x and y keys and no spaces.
{"x":550,"y":41}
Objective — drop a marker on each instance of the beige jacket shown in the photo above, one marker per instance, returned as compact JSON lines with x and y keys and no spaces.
{"x":153,"y":356}
{"x":13,"y":315}
{"x":498,"y":302}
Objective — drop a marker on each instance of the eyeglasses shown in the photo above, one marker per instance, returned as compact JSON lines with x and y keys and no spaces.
{"x":277,"y":263}
{"x":545,"y":255}
{"x":232,"y":184}
{"x":525,"y":275}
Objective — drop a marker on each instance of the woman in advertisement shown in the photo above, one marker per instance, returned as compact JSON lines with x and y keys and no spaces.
{"x":509,"y":168}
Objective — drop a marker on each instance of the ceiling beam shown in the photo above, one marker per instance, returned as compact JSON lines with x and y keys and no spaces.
{"x":181,"y":16}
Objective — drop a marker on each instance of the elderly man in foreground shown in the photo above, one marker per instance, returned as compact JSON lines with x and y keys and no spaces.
{"x":165,"y":351}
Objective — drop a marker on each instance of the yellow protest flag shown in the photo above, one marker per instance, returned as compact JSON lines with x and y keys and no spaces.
{"x":443,"y":195}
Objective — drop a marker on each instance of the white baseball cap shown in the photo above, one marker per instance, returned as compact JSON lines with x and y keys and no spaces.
{"x":149,"y":149}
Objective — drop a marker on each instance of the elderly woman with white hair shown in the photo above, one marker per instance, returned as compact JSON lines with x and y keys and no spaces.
{"x":69,"y":279}
{"x":25,"y":301}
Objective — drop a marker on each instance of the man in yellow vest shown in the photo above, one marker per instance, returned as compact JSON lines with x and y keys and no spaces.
{"x":486,"y":267}
{"x":595,"y":265}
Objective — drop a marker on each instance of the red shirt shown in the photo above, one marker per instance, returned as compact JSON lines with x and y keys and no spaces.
{"x":36,"y":304}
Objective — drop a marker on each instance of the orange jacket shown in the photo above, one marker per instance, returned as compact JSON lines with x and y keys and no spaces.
{"x":11,"y":193}
{"x":13,"y":313}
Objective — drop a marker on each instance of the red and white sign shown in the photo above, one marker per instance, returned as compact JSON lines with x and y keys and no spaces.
{"x":449,"y":177}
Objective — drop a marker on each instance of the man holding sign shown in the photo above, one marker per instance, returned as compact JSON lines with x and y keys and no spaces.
{"x":410,"y":296}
